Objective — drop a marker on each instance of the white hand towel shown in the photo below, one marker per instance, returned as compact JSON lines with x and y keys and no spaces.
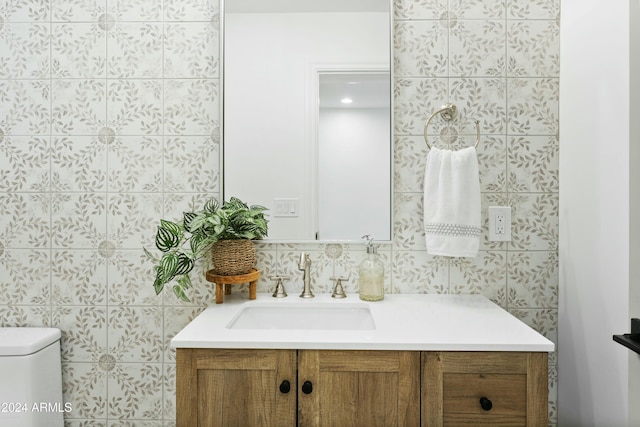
{"x":452,"y":202}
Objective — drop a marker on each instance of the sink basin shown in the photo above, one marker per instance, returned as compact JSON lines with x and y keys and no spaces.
{"x":319,"y":316}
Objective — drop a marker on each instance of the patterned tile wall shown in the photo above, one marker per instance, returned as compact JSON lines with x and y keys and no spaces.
{"x":109,"y":116}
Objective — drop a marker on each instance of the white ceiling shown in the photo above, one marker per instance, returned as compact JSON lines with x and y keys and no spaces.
{"x":265,"y":6}
{"x":366,"y":90}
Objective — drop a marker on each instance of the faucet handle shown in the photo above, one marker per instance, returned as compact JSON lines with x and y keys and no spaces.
{"x":305,"y":260}
{"x":338,"y":290}
{"x":279,"y":292}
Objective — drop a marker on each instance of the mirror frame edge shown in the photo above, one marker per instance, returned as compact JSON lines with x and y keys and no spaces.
{"x":221,"y":26}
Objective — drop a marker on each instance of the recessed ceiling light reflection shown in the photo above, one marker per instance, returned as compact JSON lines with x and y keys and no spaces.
{"x":346,"y":100}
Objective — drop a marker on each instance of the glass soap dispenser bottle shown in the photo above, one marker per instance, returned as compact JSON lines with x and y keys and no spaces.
{"x":371,"y":280}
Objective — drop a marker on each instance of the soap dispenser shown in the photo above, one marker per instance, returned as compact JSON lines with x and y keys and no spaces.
{"x":371,"y":281}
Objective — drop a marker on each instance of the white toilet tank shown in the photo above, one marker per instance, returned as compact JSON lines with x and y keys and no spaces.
{"x":31,"y":378}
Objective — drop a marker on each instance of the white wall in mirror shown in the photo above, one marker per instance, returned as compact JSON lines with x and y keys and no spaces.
{"x":353,"y":147}
{"x":270,"y":123}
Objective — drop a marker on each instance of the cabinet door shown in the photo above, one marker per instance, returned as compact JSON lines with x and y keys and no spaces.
{"x":358,"y":388}
{"x":218,"y":387}
{"x":484,"y":389}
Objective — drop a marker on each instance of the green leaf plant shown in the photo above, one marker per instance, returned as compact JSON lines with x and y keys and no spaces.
{"x":184,"y":242}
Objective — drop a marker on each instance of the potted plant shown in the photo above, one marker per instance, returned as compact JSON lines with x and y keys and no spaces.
{"x":226,"y":230}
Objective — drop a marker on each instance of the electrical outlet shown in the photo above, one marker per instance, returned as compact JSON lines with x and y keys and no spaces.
{"x":499,"y":223}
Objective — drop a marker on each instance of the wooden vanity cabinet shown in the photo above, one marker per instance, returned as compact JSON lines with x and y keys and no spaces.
{"x":484,"y":389}
{"x":219,"y":387}
{"x":359,"y":388}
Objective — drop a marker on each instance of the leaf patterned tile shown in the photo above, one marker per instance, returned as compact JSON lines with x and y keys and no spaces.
{"x":80,"y":222}
{"x":482,"y":99}
{"x":78,"y":50}
{"x":77,"y":107}
{"x":408,"y":228}
{"x":24,"y":163}
{"x":191,"y":164}
{"x":420,"y":49}
{"x":191,"y":107}
{"x":84,"y":386}
{"x":133,"y":164}
{"x":139,"y":423}
{"x":410,"y":156}
{"x":536,"y":9}
{"x":79,"y":163}
{"x":135,"y":333}
{"x":176,"y":318}
{"x":268,"y":265}
{"x":191,"y":10}
{"x":191,"y":50}
{"x":477,"y":48}
{"x":492,"y":162}
{"x":484,"y":274}
{"x":534,"y":109}
{"x":533,"y":48}
{"x":175,"y":204}
{"x":553,"y":395}
{"x":95,"y":422}
{"x":78,"y":277}
{"x":135,"y":10}
{"x":533,"y":279}
{"x":415,"y":100}
{"x":418,"y":272}
{"x":534,"y":220}
{"x":25,"y":107}
{"x":533,"y":164}
{"x":24,"y":221}
{"x":26,"y":315}
{"x":477,"y":9}
{"x":21,"y":11}
{"x":24,"y":50}
{"x":169,"y":393}
{"x":132,"y":221}
{"x":134,"y":107}
{"x":135,"y":50}
{"x":84,"y":332}
{"x":419,"y":9}
{"x":130,"y":279}
{"x":24,"y":277}
{"x":78,"y":10}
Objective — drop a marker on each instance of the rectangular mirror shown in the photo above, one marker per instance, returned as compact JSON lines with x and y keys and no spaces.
{"x":307,"y":122}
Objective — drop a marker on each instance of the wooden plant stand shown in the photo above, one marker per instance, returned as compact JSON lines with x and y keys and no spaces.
{"x":226,"y":281}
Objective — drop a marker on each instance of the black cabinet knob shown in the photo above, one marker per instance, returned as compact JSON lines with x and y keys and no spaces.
{"x":486,"y":403}
{"x":285,"y":387}
{"x":307,"y":387}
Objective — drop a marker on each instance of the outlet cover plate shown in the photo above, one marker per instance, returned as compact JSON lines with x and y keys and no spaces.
{"x":499,"y":223}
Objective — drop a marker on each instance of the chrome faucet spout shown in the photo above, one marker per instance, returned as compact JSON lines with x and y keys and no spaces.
{"x":305,"y":265}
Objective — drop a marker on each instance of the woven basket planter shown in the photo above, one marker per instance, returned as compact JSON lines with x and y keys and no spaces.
{"x":233,"y":257}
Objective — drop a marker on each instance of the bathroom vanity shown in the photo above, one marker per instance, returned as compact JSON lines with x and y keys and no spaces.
{"x":409,"y":360}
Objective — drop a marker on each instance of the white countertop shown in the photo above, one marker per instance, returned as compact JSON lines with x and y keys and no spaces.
{"x":425,"y":322}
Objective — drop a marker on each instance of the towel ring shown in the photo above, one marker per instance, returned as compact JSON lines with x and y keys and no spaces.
{"x":449,"y":112}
